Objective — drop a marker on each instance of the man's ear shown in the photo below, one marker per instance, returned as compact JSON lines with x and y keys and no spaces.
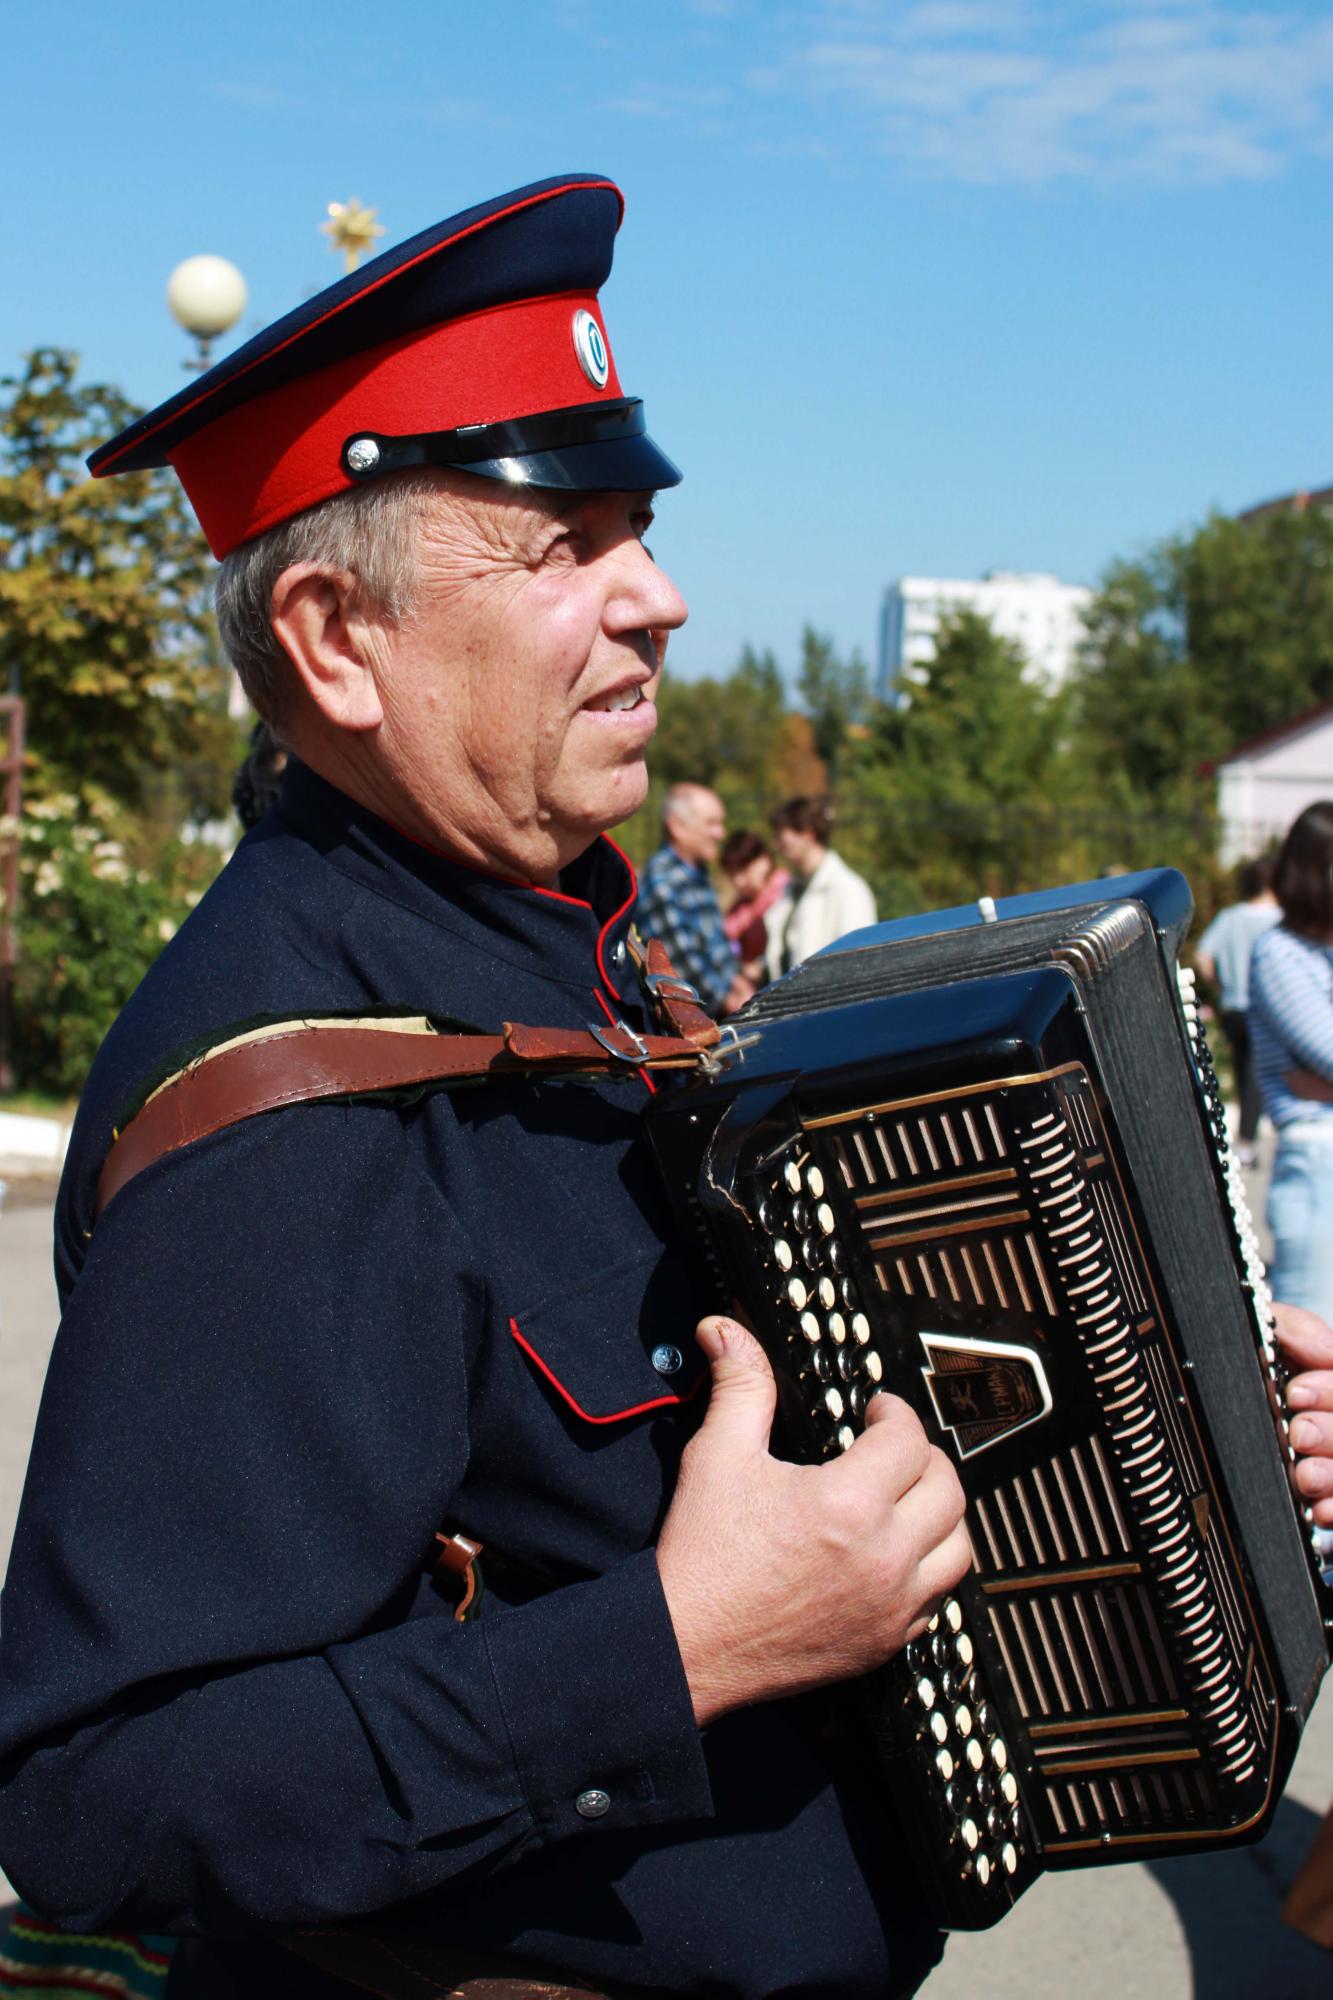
{"x":330,"y":643}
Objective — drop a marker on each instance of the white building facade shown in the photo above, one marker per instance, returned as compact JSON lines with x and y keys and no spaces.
{"x":1264,"y":785}
{"x":1041,"y":615}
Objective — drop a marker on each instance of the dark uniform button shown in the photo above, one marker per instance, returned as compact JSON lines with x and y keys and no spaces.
{"x":668,"y":1360}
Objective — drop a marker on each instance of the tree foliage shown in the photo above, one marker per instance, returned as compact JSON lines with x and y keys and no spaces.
{"x":1201,"y":645}
{"x":105,"y":626}
{"x":835,"y":694}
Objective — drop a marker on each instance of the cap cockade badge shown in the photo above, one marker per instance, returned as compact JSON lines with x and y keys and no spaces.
{"x":983,"y":1390}
{"x":590,"y":346}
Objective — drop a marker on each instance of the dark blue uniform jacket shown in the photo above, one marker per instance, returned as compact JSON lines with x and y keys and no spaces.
{"x":231,"y":1699}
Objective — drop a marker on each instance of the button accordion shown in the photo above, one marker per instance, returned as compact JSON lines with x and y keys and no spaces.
{"x":979,"y":1158}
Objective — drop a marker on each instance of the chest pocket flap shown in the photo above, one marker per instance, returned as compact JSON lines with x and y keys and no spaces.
{"x":618,"y":1347}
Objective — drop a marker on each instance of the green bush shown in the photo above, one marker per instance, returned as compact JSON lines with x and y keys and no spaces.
{"x":91,"y":920}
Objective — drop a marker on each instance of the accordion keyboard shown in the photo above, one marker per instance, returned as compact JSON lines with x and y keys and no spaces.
{"x":1095,"y":1687}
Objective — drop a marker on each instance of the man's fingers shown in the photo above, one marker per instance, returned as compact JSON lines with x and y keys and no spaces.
{"x":1311,"y":1391}
{"x":1313,"y":1432}
{"x":1306,"y":1339}
{"x":931,"y":1510}
{"x":1314,"y":1477}
{"x":744,"y":1394}
{"x":894,"y":1442}
{"x":941,"y":1571}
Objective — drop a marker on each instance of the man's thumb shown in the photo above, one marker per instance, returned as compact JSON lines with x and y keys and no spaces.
{"x":744,"y":1395}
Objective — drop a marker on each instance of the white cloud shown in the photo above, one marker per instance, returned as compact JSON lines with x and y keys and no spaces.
{"x":1178,"y":91}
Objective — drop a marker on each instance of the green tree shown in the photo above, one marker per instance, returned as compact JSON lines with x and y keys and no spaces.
{"x":105,"y":625}
{"x":1200,"y":645}
{"x":835,"y":694}
{"x":953,"y":793}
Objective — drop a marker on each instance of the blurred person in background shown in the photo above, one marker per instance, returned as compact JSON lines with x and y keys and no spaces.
{"x":758,"y":881}
{"x":259,"y":780}
{"x":1291,"y":1031}
{"x":678,"y":903}
{"x":824,"y":899}
{"x":1223,"y":957}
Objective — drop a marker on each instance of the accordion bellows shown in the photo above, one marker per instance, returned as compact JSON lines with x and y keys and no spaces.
{"x":983,"y":1163}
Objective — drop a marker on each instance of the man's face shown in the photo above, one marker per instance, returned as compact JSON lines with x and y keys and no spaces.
{"x":699,"y":827}
{"x":518,"y":693}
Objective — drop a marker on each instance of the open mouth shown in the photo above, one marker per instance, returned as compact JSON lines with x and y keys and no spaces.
{"x":616,"y":701}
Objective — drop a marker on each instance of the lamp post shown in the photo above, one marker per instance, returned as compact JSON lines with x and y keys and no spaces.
{"x":207,"y":296}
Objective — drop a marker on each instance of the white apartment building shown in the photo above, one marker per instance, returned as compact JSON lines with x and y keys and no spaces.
{"x":1039,"y":613}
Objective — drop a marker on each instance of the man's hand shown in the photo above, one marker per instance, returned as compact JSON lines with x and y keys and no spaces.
{"x":1308,"y":1344}
{"x":781,"y":1577}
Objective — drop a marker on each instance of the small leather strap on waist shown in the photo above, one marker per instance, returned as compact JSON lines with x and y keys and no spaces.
{"x":456,"y":1555}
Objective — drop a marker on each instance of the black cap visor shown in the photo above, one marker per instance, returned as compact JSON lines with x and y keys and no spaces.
{"x":590,"y":448}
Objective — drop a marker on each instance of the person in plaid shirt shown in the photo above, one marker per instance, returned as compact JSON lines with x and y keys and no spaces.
{"x":678,"y":903}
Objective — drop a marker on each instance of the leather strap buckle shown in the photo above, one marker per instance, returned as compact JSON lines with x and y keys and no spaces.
{"x":634,"y":1055}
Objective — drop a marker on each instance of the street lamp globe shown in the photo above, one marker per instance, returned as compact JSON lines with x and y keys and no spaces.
{"x":207,"y":295}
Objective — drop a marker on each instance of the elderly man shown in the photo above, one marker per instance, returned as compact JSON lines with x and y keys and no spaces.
{"x":236,"y":1702}
{"x":678,"y":903}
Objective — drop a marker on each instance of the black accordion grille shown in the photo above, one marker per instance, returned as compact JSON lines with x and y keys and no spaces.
{"x":1103,"y":1649}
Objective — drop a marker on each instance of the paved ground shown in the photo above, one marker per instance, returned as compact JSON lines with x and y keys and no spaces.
{"x":1206,"y":1927}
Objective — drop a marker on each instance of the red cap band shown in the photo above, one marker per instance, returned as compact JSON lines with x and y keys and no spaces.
{"x":271,"y":458}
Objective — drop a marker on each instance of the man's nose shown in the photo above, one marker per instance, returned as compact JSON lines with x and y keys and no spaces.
{"x":644,"y":596}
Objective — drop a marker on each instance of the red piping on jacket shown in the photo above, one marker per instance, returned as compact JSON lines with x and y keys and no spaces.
{"x":615,"y":1416}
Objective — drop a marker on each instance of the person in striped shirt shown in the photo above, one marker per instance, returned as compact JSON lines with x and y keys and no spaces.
{"x":1291,"y":1025}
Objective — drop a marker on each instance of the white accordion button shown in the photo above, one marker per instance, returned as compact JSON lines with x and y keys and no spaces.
{"x":1009,"y":1788}
{"x":939,"y":1728}
{"x":944,"y":1764}
{"x":962,"y":1719}
{"x":970,"y":1835}
{"x":837,"y":1327}
{"x":828,"y":1297}
{"x":1009,"y":1858}
{"x":983,"y":1869}
{"x":860,"y":1328}
{"x":833,"y":1403}
{"x":953,"y":1613}
{"x":963,"y":1648}
{"x":976,"y":1756}
{"x":824,"y":1218}
{"x":810,"y":1328}
{"x":846,"y":1437}
{"x":782,"y":1253}
{"x":797,"y":1293}
{"x":925,"y":1692}
{"x":999,"y":1752}
{"x":814,"y":1184}
{"x":792,"y":1176}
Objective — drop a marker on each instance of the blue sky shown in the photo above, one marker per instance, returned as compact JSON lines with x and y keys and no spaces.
{"x":937,"y":286}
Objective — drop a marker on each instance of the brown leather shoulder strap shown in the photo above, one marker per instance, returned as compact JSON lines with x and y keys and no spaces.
{"x":299,"y":1062}
{"x":303,"y":1060}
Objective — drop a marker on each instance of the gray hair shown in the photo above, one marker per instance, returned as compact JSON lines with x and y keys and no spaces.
{"x":373,"y":532}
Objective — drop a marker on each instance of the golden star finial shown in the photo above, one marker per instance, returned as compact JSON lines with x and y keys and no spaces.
{"x":351,"y":229}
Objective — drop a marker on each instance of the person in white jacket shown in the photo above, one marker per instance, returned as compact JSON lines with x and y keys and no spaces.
{"x":824,"y":899}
